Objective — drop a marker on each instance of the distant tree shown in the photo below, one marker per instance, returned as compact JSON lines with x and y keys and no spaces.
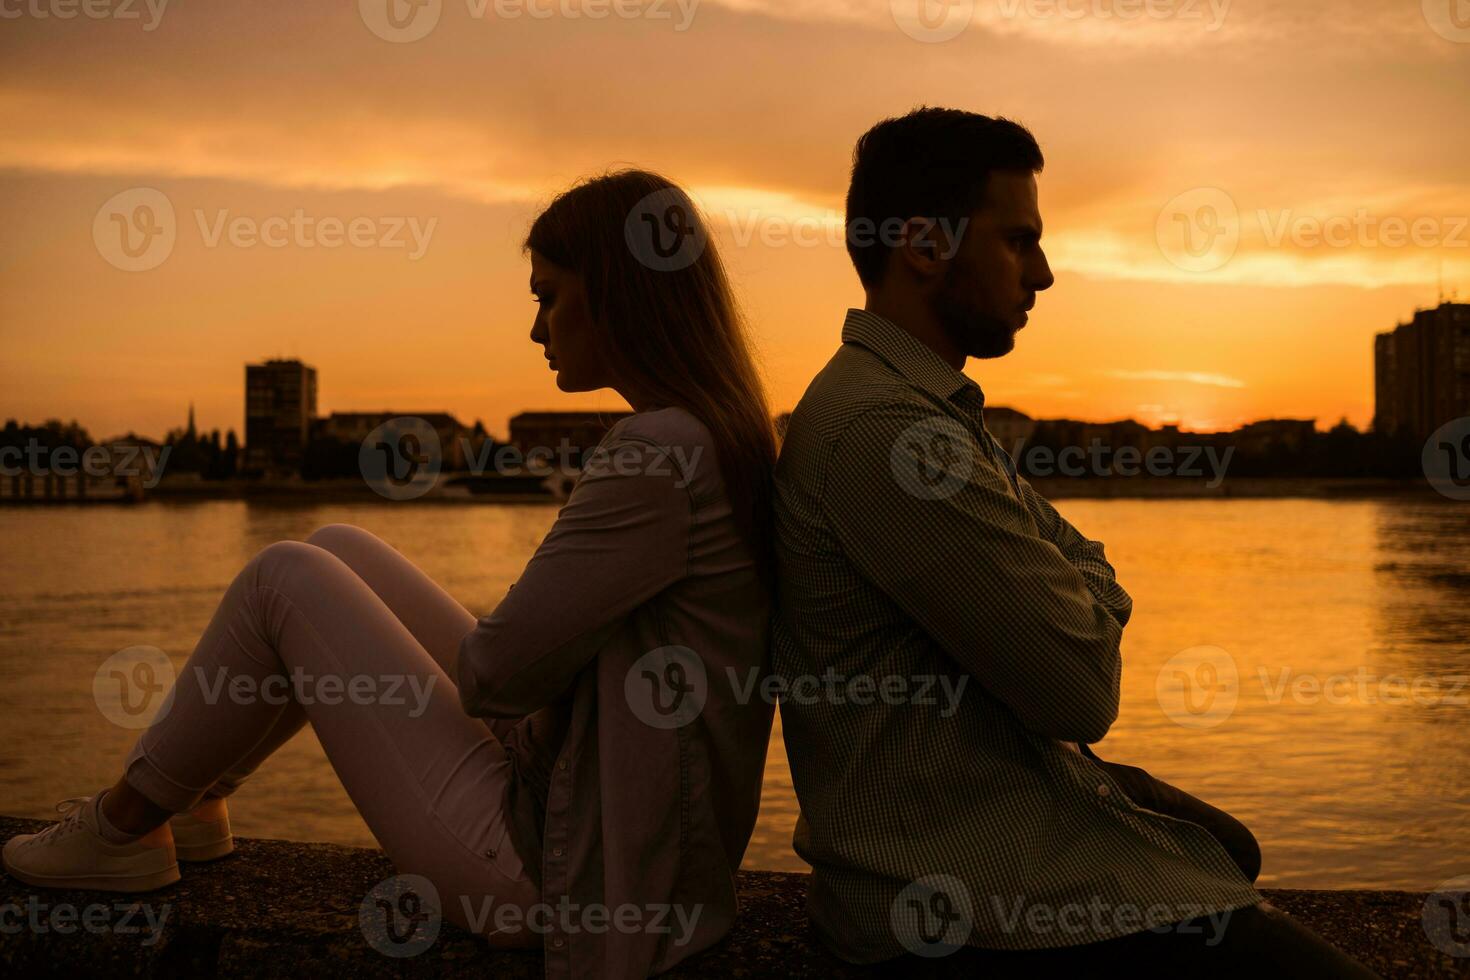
{"x":230,"y":463}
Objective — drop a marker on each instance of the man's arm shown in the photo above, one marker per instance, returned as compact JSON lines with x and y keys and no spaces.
{"x":1085,"y":554}
{"x":946,"y":539}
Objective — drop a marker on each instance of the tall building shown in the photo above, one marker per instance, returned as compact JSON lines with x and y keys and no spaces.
{"x":280,"y":404}
{"x":1421,"y":372}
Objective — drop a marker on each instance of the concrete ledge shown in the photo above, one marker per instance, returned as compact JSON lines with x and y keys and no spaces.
{"x":287,"y":909}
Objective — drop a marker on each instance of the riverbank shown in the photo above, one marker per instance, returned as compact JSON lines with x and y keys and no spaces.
{"x":459,"y":489}
{"x":289,"y":909}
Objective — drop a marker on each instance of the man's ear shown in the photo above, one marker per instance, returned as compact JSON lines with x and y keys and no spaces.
{"x":923,"y":248}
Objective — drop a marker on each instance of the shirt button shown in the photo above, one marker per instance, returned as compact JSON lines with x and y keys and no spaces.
{"x":562,"y":765}
{"x":490,"y":852}
{"x":1102,"y":789}
{"x":556,"y":851}
{"x":558,"y":942}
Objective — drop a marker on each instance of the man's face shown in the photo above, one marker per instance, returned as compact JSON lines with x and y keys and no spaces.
{"x":994,"y":277}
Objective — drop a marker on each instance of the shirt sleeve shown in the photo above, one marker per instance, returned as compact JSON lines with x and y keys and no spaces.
{"x":1085,"y":554}
{"x":939,"y":530}
{"x":621,"y":538}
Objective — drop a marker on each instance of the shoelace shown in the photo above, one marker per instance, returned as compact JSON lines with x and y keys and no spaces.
{"x":71,"y":810}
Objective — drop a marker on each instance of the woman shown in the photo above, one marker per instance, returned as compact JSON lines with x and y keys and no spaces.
{"x":606,"y":799}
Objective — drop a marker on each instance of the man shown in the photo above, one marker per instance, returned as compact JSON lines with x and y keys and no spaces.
{"x":970,"y":634}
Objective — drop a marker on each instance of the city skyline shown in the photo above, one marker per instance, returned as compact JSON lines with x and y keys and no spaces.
{"x":383,"y":244}
{"x":1440,"y":366}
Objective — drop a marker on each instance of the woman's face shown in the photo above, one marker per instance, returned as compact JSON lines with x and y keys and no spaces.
{"x":564,"y":327}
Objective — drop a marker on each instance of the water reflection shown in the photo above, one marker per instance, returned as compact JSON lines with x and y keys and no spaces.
{"x":1344,"y":787}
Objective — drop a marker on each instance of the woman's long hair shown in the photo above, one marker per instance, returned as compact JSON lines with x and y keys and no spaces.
{"x":657,"y":290}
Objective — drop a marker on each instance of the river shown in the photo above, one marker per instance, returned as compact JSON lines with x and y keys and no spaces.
{"x":1329,"y":642}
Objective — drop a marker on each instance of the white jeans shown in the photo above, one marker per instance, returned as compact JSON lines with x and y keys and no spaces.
{"x":344,"y":632}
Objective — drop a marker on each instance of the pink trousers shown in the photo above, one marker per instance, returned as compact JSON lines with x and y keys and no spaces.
{"x":344,"y":632}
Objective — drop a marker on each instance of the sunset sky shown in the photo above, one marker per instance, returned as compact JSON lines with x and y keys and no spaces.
{"x":1325,"y":141}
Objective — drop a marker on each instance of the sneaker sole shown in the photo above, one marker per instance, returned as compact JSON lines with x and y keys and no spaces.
{"x":201,"y":840}
{"x":211,"y":851}
{"x":103,"y":883}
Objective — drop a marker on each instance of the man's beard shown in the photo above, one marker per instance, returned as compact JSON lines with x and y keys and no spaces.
{"x":969,"y":328}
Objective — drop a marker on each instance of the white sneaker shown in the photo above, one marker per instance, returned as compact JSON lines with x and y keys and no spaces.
{"x":73,"y":854}
{"x":203,"y":834}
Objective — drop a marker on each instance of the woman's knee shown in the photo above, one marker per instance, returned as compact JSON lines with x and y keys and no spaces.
{"x":284,"y":562}
{"x":333,"y":537}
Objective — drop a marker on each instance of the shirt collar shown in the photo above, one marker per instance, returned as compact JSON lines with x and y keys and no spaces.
{"x":910,"y":357}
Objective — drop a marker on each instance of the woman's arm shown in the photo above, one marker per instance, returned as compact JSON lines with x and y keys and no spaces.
{"x":621,"y":538}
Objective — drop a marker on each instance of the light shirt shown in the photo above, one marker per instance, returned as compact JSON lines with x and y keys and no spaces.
{"x":637,"y":764}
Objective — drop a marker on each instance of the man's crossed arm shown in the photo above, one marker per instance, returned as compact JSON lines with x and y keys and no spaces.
{"x":1034,"y":615}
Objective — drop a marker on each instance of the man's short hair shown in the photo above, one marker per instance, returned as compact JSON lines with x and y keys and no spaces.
{"x":931,"y":163}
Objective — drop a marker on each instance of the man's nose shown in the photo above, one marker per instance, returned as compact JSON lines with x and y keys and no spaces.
{"x":1040,"y":274}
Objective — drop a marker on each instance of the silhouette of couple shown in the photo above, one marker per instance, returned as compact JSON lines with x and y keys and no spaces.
{"x":589,"y":755}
